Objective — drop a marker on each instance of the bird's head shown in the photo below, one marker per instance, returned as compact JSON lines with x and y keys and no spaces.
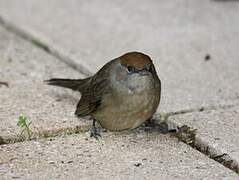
{"x":137,"y":62}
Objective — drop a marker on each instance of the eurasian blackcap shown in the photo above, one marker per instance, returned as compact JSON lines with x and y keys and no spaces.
{"x":123,"y":94}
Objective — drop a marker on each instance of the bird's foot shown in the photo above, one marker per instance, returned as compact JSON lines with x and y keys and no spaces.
{"x":94,"y":133}
{"x":150,"y":123}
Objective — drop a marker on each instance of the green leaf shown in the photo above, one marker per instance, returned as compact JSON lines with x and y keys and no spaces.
{"x":21,"y":121}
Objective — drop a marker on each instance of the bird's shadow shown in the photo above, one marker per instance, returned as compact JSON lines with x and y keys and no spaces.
{"x":151,"y":126}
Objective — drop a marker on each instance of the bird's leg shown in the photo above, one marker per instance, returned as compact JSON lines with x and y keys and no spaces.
{"x":93,"y":132}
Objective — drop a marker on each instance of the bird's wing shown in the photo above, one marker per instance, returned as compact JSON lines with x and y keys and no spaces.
{"x":92,"y":95}
{"x":91,"y":98}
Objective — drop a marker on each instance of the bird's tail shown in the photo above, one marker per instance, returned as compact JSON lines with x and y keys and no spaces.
{"x":74,"y":84}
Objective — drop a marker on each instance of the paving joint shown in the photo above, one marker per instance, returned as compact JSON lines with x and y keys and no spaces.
{"x":44,"y":134}
{"x":215,"y":154}
{"x":189,"y":137}
{"x":199,"y":109}
{"x":45,"y":46}
{"x":159,"y":117}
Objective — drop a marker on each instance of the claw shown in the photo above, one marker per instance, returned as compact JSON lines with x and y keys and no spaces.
{"x":93,"y":131}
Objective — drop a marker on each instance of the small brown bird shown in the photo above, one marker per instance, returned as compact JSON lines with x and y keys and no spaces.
{"x":123,"y":94}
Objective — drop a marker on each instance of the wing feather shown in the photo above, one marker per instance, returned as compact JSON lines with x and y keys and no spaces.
{"x":92,"y":95}
{"x":91,"y":98}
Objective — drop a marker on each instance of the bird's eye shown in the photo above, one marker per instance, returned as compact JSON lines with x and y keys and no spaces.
{"x":130,"y":69}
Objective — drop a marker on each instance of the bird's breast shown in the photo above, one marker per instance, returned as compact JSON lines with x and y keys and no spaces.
{"x":128,"y":106}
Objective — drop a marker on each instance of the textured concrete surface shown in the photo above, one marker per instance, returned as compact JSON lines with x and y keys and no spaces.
{"x":126,"y":155}
{"x":177,"y":34}
{"x":25,"y":67}
{"x":194,"y":45}
{"x":217,"y":128}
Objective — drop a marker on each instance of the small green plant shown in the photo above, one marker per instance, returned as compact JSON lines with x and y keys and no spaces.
{"x":24,"y":124}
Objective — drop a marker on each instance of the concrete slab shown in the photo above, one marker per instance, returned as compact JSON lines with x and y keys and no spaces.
{"x":217,"y":128}
{"x":193,"y":43}
{"x":25,"y":67}
{"x":126,"y":155}
{"x":194,"y":46}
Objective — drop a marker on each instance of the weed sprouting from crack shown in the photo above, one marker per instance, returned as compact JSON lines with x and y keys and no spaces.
{"x":24,"y":124}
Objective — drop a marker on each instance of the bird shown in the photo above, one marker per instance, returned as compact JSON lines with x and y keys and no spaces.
{"x":123,"y":94}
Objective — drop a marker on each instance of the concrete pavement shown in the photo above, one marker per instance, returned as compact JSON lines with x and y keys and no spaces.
{"x":25,"y":67}
{"x":177,"y":35}
{"x":125,"y":155}
{"x":133,"y":154}
{"x":193,"y":44}
{"x":224,"y":141}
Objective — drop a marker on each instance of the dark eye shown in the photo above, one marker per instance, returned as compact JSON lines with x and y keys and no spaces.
{"x":130,"y":68}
